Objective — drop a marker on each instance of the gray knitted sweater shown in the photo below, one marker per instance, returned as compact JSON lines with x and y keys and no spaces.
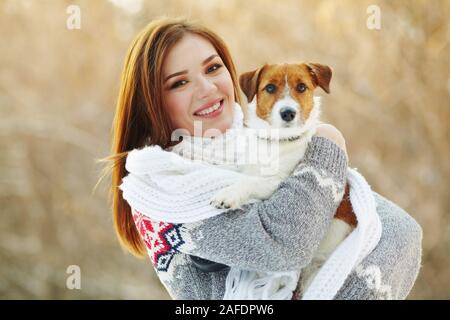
{"x":281,"y":234}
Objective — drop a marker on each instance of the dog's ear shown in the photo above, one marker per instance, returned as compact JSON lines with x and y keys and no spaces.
{"x":321,"y":75}
{"x":248,"y":82}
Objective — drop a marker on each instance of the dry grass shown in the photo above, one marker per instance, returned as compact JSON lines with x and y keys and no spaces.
{"x":390,"y":98}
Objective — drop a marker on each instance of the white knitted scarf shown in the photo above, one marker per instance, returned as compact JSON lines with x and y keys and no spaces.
{"x":168,"y":185}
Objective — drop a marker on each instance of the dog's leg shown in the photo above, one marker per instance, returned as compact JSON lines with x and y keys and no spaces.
{"x":338,"y":231}
{"x":245,"y":189}
{"x":263,"y":188}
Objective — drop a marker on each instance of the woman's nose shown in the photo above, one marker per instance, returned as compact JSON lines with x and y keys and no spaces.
{"x":205,"y":87}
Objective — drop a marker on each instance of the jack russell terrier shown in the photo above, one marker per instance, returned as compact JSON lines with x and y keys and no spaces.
{"x":281,"y":97}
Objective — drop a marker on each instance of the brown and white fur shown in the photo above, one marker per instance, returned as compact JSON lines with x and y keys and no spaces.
{"x":282,"y":96}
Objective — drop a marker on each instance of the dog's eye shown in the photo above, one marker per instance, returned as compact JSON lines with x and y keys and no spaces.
{"x":270,"y":88}
{"x":301,"y":87}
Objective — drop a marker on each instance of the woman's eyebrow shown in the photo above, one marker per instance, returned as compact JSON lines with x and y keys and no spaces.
{"x":185,"y":71}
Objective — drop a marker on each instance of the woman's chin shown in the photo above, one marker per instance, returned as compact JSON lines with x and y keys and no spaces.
{"x":218,"y":125}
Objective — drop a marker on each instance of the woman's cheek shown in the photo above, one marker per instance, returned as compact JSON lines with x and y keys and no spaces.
{"x":225,"y":81}
{"x":179,"y":110}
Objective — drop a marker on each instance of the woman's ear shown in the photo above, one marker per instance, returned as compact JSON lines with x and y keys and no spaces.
{"x":321,"y":75}
{"x":248,"y":81}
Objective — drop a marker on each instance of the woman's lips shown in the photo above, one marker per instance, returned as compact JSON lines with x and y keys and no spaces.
{"x":212,"y":114}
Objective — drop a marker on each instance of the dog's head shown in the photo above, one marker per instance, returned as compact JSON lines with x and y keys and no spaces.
{"x":285,"y":92}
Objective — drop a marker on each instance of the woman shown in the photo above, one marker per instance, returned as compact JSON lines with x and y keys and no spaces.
{"x":175,"y":67}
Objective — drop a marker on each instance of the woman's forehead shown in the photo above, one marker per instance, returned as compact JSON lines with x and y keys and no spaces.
{"x":191,"y":50}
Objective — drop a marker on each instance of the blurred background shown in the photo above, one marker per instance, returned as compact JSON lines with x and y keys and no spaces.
{"x":58,"y":86}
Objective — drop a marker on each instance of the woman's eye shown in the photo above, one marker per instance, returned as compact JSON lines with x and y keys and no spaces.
{"x":270,"y":88}
{"x":214,"y":67}
{"x":178,"y":84}
{"x":301,"y":87}
{"x":183,"y":82}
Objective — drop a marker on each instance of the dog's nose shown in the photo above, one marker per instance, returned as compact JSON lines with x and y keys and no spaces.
{"x":287,"y":114}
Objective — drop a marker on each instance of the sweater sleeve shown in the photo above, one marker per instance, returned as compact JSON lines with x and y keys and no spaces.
{"x":390,"y":270}
{"x":282,"y":232}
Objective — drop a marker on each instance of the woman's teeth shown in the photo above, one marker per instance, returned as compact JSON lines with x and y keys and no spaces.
{"x":209,"y":110}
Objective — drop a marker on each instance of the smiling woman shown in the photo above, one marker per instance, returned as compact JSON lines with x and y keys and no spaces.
{"x":160,"y":93}
{"x":202,"y":91}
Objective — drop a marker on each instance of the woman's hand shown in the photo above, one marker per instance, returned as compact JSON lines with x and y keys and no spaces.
{"x":332,"y":133}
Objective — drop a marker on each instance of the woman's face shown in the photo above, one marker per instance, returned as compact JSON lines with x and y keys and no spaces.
{"x":197,"y":87}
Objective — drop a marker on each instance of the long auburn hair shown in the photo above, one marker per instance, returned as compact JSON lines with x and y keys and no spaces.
{"x":140,"y":118}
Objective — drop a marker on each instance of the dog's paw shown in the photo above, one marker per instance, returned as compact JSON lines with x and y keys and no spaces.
{"x":228,"y":198}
